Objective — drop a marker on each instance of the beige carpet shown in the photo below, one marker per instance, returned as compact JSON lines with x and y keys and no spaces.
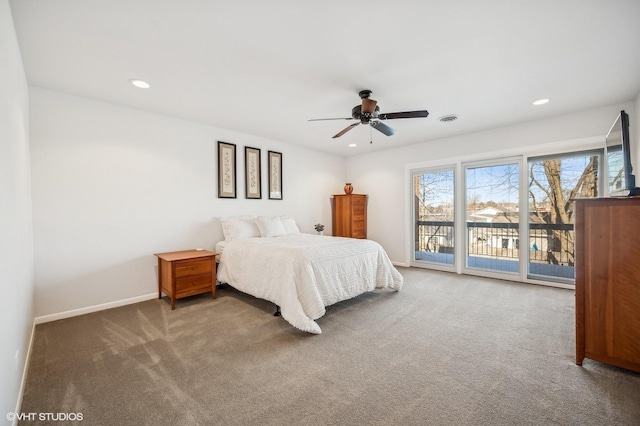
{"x":446,"y":350}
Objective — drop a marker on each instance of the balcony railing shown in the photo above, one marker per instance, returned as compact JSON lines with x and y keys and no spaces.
{"x":548,"y":243}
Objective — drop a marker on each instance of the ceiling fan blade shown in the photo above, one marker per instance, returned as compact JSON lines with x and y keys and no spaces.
{"x":407,"y":114}
{"x":381,"y":127}
{"x":346,"y":130}
{"x":368,"y":106}
{"x":324,"y":119}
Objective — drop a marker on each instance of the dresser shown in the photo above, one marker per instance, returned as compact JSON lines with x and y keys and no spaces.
{"x":186,"y":273}
{"x":607,"y":232}
{"x":350,"y":215}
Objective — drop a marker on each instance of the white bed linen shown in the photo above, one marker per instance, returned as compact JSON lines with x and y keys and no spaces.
{"x":304,"y":273}
{"x":220,"y":246}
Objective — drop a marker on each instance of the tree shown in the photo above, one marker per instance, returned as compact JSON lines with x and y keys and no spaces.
{"x":433,"y":192}
{"x":565,"y":181}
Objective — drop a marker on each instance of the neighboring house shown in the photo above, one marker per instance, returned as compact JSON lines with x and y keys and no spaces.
{"x":500,"y":233}
{"x":487,"y":214}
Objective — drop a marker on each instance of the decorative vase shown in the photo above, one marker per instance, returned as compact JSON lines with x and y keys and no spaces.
{"x":348,"y":188}
{"x":320,"y":232}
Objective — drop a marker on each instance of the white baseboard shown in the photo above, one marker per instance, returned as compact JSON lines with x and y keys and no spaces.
{"x":63,"y":315}
{"x":94,"y":308}
{"x":400,"y":264}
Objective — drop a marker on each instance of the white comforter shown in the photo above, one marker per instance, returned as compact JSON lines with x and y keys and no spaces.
{"x":303,"y":273}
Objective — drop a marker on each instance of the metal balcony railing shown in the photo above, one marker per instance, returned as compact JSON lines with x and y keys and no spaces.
{"x":548,"y":243}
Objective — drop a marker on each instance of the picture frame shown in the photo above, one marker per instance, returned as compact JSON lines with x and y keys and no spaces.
{"x":252,"y":173}
{"x":226,"y":170}
{"x":275,"y":175}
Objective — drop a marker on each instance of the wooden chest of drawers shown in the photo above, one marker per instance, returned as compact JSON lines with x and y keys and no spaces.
{"x":608,"y":281}
{"x":350,"y":215}
{"x":186,"y":273}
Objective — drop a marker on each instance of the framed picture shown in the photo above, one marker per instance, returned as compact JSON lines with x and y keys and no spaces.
{"x":275,"y":175}
{"x":226,"y":170}
{"x":252,"y":174}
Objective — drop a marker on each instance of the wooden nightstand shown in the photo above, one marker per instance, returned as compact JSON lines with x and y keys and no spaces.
{"x":186,"y":273}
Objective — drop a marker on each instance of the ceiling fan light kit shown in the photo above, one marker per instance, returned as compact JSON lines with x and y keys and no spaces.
{"x":368,"y":112}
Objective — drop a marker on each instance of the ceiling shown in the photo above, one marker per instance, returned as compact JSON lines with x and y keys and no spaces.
{"x":266,"y":67}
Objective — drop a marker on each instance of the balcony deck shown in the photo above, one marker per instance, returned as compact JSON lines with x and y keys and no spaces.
{"x":500,"y":265}
{"x":495,"y":247}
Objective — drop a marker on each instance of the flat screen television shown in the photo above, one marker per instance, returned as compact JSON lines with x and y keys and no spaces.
{"x":620,"y":179}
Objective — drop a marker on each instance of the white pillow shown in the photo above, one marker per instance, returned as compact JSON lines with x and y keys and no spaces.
{"x":237,"y":228}
{"x":289,"y":225}
{"x":270,"y":226}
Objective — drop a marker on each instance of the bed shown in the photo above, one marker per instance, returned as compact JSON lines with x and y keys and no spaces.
{"x":300,"y":273}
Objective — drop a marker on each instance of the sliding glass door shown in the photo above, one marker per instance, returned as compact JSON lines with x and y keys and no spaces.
{"x":492,"y":217}
{"x":434,"y":208}
{"x":509,"y":218}
{"x":554,"y":181}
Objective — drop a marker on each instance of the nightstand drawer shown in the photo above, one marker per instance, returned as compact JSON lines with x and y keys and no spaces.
{"x":196,"y":283}
{"x":188,"y":268}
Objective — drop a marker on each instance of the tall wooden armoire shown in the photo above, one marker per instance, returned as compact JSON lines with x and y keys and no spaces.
{"x":350,"y":215}
{"x":607,"y":265}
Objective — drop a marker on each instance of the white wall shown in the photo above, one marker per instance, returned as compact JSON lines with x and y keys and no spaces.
{"x":634,"y":130}
{"x":113,"y":185}
{"x":383,"y":175}
{"x":16,"y":240}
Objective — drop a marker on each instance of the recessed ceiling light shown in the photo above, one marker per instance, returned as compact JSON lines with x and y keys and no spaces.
{"x":139,"y":83}
{"x":541,"y":101}
{"x":352,"y":145}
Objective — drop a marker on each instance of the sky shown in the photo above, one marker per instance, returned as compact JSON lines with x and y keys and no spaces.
{"x":499,"y":183}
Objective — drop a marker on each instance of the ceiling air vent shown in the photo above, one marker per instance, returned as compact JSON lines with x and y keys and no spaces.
{"x":448,"y":118}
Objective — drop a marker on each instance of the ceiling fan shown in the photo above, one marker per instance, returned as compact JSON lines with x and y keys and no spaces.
{"x":369,"y":113}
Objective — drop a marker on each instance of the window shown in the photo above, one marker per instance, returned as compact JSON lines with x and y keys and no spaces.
{"x":433,"y":196}
{"x":515,"y":219}
{"x":492,"y":194}
{"x":553,"y":182}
